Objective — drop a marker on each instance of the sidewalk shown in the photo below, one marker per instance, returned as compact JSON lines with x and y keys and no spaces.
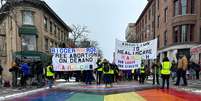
{"x":194,"y":86}
{"x":9,"y":93}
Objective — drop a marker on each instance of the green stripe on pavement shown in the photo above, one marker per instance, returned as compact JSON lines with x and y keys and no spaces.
{"x":86,"y":97}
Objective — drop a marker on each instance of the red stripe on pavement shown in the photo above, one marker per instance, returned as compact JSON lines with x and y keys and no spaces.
{"x":182,"y":94}
{"x":158,"y":95}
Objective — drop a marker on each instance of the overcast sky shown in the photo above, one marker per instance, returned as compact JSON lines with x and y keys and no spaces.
{"x":106,"y":19}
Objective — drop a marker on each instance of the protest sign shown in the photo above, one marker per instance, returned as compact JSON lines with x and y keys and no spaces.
{"x":127,"y":62}
{"x":72,"y":59}
{"x":129,"y":55}
{"x":147,"y":50}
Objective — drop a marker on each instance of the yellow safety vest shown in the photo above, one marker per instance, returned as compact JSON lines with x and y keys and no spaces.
{"x":100,"y":69}
{"x":133,"y":71}
{"x":166,"y":66}
{"x":142,"y":69}
{"x":111,"y":71}
{"x":48,"y":72}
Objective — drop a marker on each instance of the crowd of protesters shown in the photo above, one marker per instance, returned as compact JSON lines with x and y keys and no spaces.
{"x":37,"y":74}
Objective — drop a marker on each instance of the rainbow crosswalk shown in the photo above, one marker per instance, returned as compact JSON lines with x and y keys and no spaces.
{"x":145,"y":95}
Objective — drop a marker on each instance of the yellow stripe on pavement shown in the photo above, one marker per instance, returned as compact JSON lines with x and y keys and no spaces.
{"x":124,"y":97}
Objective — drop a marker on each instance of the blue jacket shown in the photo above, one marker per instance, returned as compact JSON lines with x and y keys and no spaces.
{"x":25,"y":69}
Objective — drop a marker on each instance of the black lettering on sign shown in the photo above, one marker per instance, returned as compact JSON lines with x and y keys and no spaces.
{"x":63,"y":60}
{"x":120,"y":51}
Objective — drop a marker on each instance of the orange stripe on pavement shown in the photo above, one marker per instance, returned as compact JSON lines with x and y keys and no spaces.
{"x":158,"y":95}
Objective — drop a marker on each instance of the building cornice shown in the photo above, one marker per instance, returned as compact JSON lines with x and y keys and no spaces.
{"x":38,"y":3}
{"x":144,"y":11}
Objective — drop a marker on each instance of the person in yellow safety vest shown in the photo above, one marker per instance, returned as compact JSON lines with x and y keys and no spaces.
{"x":107,"y":73}
{"x":99,"y":71}
{"x":165,"y":72}
{"x":50,"y":75}
{"x":142,"y":74}
{"x":111,"y":73}
{"x":133,"y":73}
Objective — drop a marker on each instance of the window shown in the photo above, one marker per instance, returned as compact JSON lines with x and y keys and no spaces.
{"x":149,"y":14}
{"x":183,"y":7}
{"x":50,"y":26}
{"x":58,"y":34}
{"x":158,"y":43}
{"x":27,"y":18}
{"x":46,"y":44}
{"x":183,"y":33}
{"x":2,"y":44}
{"x":153,"y":28}
{"x":165,"y":38}
{"x":165,"y":14}
{"x":153,"y":10}
{"x":45,"y":23}
{"x":176,"y":34}
{"x":28,"y":42}
{"x":61,"y":35}
{"x":192,"y":6}
{"x":158,"y":4}
{"x":51,"y":44}
{"x":176,"y":7}
{"x":158,"y":21}
{"x":55,"y":29}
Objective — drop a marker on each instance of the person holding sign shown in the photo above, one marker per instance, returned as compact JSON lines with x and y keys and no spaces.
{"x":142,"y":74}
{"x":99,"y":71}
{"x":107,"y":71}
{"x":165,"y":72}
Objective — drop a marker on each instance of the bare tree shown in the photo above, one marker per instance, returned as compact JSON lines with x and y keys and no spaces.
{"x":79,"y":32}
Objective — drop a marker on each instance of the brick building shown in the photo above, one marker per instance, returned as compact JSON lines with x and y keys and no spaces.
{"x":176,"y":24}
{"x":131,"y":33}
{"x":28,"y":29}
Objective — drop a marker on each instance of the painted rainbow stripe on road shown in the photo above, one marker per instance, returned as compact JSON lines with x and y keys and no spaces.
{"x":146,"y":95}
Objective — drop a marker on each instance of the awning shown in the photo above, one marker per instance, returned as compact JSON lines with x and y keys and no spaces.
{"x":28,"y":30}
{"x":32,"y":56}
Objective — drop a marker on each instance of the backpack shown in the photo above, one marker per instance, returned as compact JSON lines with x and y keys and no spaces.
{"x":106,"y":68}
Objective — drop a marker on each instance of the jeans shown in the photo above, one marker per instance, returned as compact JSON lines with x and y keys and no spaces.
{"x":181,"y":73}
{"x":1,"y":80}
{"x":156,"y":78}
{"x":165,"y":79}
{"x":98,"y":77}
{"x":14,"y":79}
{"x":50,"y":81}
{"x":142,"y":78}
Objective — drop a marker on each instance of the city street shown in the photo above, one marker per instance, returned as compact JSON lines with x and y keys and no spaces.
{"x":100,"y":50}
{"x":123,"y":91}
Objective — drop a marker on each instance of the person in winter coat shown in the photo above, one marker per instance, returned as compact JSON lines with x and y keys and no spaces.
{"x":181,"y":70}
{"x":196,"y":67}
{"x":1,"y":70}
{"x":14,"y":70}
{"x":25,"y":70}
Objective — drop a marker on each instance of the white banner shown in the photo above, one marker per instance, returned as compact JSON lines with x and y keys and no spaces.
{"x":72,"y":59}
{"x":146,"y":50}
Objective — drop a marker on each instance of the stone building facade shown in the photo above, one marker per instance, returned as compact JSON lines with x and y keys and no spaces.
{"x":28,"y":29}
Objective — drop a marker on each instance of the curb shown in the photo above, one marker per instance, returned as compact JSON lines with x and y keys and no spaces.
{"x":12,"y":96}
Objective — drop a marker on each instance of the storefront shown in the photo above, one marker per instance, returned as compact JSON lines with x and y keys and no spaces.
{"x":196,"y":54}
